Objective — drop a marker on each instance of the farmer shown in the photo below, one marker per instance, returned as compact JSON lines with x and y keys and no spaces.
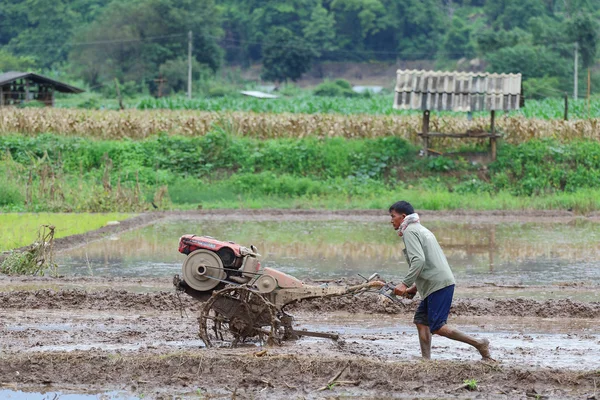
{"x":430,"y":275}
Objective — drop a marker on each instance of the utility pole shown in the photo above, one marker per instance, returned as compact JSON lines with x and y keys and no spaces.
{"x":575,"y":72}
{"x":189,"y":65}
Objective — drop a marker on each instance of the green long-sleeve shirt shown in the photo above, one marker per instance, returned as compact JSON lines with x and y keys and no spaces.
{"x":427,"y":264}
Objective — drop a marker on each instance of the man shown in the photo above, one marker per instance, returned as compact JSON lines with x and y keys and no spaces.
{"x":430,"y":275}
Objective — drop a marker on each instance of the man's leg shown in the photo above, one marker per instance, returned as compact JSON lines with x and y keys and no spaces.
{"x":420,"y":321}
{"x":424,"y":340}
{"x":482,"y":345}
{"x":438,"y":308}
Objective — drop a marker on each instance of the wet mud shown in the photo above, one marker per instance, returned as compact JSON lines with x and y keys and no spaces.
{"x":147,"y":345}
{"x":123,"y":299}
{"x":138,"y":336}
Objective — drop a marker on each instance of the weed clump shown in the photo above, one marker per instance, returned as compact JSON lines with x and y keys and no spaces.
{"x":36,"y":259}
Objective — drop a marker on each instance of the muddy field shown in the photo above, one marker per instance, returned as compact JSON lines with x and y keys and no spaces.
{"x":138,"y":337}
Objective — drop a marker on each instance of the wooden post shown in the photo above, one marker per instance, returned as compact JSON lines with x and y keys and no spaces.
{"x":119,"y":94}
{"x":492,"y":247}
{"x":1,"y":97}
{"x":566,"y":107}
{"x":189,"y":88}
{"x":425,"y":132}
{"x":493,"y":137}
{"x":588,"y":93}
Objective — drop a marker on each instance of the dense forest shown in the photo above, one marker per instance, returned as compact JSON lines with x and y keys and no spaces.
{"x":136,"y":41}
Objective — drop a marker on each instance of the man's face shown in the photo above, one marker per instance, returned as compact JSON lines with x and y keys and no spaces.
{"x":396,"y":219}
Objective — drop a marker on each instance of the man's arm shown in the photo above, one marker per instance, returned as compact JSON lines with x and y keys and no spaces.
{"x":416,"y":258}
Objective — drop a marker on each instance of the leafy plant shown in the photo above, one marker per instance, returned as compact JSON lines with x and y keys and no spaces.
{"x":470,"y":384}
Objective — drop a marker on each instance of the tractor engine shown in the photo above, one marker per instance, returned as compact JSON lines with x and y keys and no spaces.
{"x":212,"y":263}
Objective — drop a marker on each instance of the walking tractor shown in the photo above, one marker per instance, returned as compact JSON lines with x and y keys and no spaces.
{"x":244,"y":301}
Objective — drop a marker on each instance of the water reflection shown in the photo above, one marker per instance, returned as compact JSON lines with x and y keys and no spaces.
{"x":526,"y":253}
{"x":53,"y":395}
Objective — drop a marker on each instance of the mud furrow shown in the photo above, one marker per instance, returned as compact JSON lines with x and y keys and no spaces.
{"x":69,"y":299}
{"x":274,"y":375}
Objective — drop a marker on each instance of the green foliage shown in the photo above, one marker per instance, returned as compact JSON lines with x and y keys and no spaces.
{"x":10,"y":62}
{"x":175,"y":72}
{"x":285,"y":56}
{"x":320,"y":32}
{"x":510,"y":14}
{"x":441,"y":164}
{"x":136,"y":56}
{"x":38,"y":30}
{"x":457,"y":43}
{"x":546,"y":166}
{"x":491,"y":40}
{"x":32,"y":104}
{"x":338,"y":88}
{"x":420,"y":28}
{"x":530,"y":61}
{"x":10,"y":193}
{"x":583,"y":29}
{"x":470,"y":384}
{"x":99,"y":176}
{"x":127,"y":89}
{"x":540,"y":88}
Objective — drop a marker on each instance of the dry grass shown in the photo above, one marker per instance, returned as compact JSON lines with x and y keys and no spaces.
{"x":136,"y":124}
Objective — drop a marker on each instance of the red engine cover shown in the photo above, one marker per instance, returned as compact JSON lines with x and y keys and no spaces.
{"x":189,"y":243}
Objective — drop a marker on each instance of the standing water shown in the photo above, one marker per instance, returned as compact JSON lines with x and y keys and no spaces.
{"x":493,"y":253}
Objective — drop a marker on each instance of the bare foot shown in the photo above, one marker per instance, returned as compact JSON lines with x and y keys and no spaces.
{"x":484,"y":349}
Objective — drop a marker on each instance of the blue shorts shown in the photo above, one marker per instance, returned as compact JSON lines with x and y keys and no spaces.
{"x":434,"y":309}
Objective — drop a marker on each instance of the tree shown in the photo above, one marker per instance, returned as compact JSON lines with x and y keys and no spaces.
{"x":356,"y":22}
{"x":490,"y":40}
{"x":457,"y":43}
{"x":319,"y":32}
{"x":130,"y":40}
{"x":531,"y":61}
{"x":285,"y":56}
{"x":421,"y":26}
{"x":247,"y":23}
{"x":10,"y":62}
{"x":42,"y":29}
{"x":583,"y":29}
{"x":509,"y":14}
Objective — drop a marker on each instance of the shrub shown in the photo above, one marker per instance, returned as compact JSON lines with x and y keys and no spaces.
{"x":338,"y":88}
{"x":10,"y":194}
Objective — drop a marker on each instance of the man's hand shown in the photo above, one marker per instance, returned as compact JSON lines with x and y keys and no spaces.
{"x":400,"y":290}
{"x":412,"y":290}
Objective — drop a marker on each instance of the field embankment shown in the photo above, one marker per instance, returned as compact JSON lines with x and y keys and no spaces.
{"x":220,"y":169}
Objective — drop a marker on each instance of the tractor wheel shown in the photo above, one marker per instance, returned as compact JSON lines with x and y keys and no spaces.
{"x":236,"y":315}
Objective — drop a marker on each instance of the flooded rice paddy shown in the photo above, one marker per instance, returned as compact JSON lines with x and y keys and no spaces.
{"x":497,"y":253}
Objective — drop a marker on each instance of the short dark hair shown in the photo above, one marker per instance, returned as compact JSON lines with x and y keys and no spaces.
{"x":402,"y":207}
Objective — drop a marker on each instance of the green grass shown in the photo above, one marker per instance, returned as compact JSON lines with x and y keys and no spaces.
{"x":17,"y":230}
{"x":580,"y":202}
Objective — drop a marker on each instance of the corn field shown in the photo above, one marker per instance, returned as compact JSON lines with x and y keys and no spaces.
{"x":139,"y":124}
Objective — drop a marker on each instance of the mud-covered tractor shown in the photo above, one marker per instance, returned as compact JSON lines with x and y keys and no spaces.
{"x":242,"y":299}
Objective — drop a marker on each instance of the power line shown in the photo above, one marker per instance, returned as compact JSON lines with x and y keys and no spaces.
{"x":98,"y":42}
